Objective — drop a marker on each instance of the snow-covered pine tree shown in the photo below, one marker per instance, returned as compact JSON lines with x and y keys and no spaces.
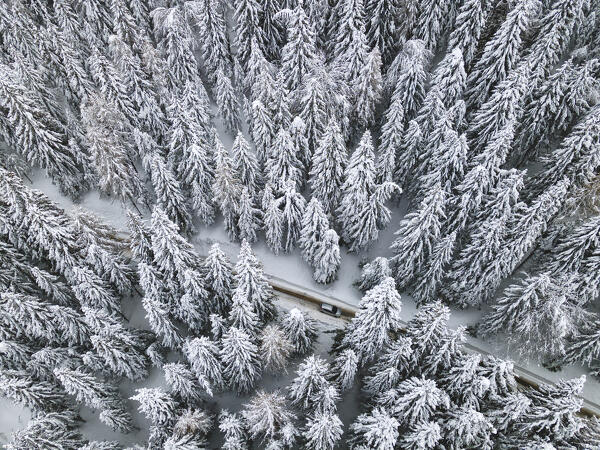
{"x":378,"y":429}
{"x":241,"y":361}
{"x":212,"y":23}
{"x":247,"y":28}
{"x":467,"y":29}
{"x":300,"y":141}
{"x":299,"y":54}
{"x":314,"y":226}
{"x":433,"y":20}
{"x":450,"y":77}
{"x":175,"y":44}
{"x":552,"y":108}
{"x":105,"y":125}
{"x":373,"y":216}
{"x":266,"y":414}
{"x":275,"y":348}
{"x":272,"y":30}
{"x":262,"y":130}
{"x":554,"y":411}
{"x":242,"y":316}
{"x":574,"y":157}
{"x":169,"y":195}
{"x":249,"y":222}
{"x":246,"y":165}
{"x":292,"y":205}
{"x":204,"y":358}
{"x":218,"y":280}
{"x":227,"y":102}
{"x":359,"y":183}
{"x":306,"y":388}
{"x":435,"y":269}
{"x":182,"y":382}
{"x":390,"y":141}
{"x":227,"y":188}
{"x":96,"y":394}
{"x":486,"y":238}
{"x":378,"y":316}
{"x":554,"y":33}
{"x":323,"y":431}
{"x":407,"y":76}
{"x":327,"y":167}
{"x":272,"y":219}
{"x":141,"y":238}
{"x":369,"y":89}
{"x":500,"y":112}
{"x":300,"y":329}
{"x":501,"y":52}
{"x":373,"y":273}
{"x":383,"y":27}
{"x":417,"y":235}
{"x":283,"y":165}
{"x":327,"y":258}
{"x":537,"y":315}
{"x":345,"y":369}
{"x":251,"y":282}
{"x":158,"y":406}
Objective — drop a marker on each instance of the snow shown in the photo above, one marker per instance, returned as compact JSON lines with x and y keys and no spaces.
{"x":291,"y":267}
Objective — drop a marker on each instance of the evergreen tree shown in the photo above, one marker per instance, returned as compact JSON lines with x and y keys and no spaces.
{"x":417,"y":234}
{"x":272,"y":30}
{"x":369,"y":89}
{"x":242,"y":315}
{"x":314,"y":226}
{"x":314,"y":109}
{"x":433,"y":20}
{"x":323,"y":431}
{"x":204,"y":358}
{"x":96,"y":394}
{"x":247,"y":17}
{"x":392,"y":132}
{"x":227,"y":102}
{"x":327,"y":258}
{"x":168,"y":193}
{"x":182,"y":382}
{"x":218,"y":279}
{"x":246,"y":165}
{"x":252,"y":283}
{"x":273,"y":220}
{"x":538,"y":297}
{"x":378,"y":316}
{"x":345,"y":369}
{"x":407,"y":153}
{"x":262,"y":130}
{"x":300,"y":329}
{"x":292,"y":206}
{"x":104,"y":126}
{"x":501,"y":52}
{"x":216,"y":53}
{"x":249,"y":221}
{"x":275,"y":348}
{"x":158,"y":406}
{"x":266,"y":414}
{"x":327,"y":168}
{"x":373,"y":273}
{"x":450,"y":77}
{"x":378,"y":429}
{"x":283,"y":165}
{"x":298,"y":56}
{"x":407,"y":76}
{"x":573,"y":158}
{"x":241,"y":362}
{"x":310,"y":383}
{"x":359,"y":183}
{"x":470,"y":22}
{"x":383,"y":27}
{"x":227,"y":188}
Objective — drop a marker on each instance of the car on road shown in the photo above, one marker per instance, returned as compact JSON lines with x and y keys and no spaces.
{"x":331,"y":310}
